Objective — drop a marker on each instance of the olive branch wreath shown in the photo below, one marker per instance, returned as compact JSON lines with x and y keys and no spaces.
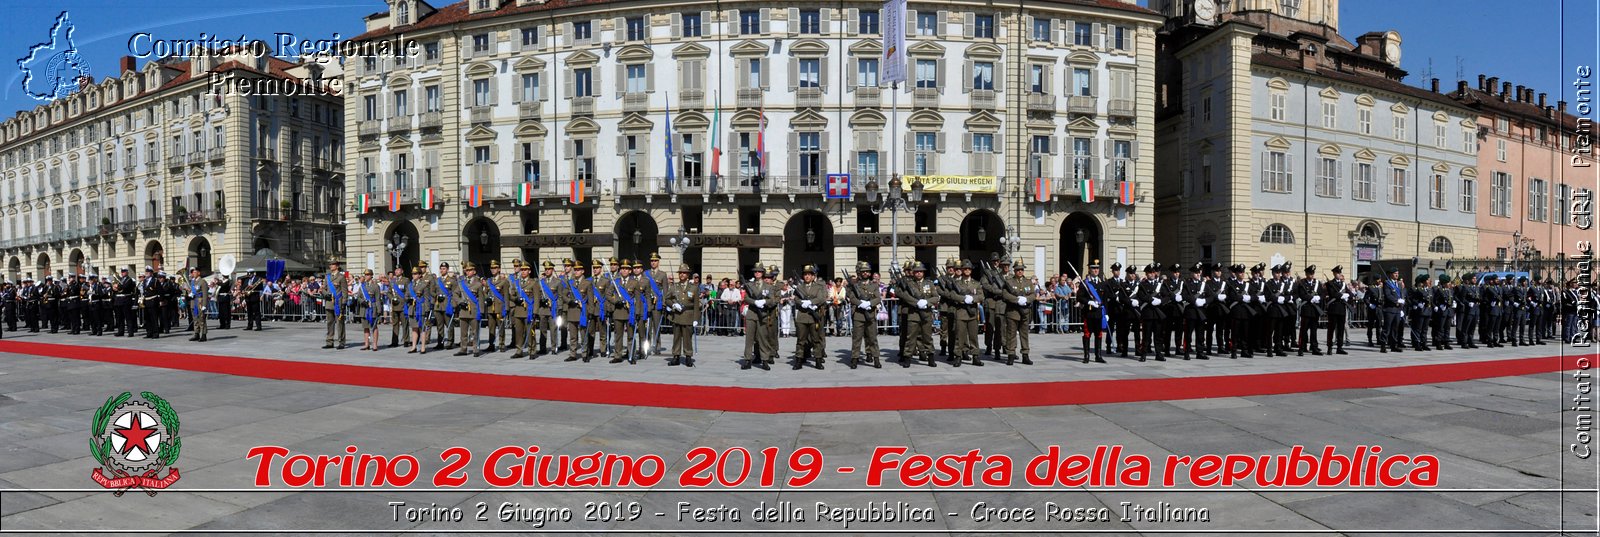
{"x":167,"y":452}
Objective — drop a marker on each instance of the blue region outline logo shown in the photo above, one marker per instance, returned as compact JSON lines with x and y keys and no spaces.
{"x":53,"y":69}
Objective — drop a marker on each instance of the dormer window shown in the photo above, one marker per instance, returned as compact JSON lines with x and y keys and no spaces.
{"x":402,"y":14}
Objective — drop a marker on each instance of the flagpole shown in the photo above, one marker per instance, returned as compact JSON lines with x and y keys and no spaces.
{"x":894,"y":169}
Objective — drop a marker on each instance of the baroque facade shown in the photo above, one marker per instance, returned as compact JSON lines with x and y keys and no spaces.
{"x":159,"y":166}
{"x":468,"y":145}
{"x":1278,"y":139}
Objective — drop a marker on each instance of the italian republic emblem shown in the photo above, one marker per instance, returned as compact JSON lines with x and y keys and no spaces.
{"x":134,"y":439}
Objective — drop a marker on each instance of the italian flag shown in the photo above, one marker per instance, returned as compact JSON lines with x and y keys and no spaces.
{"x":716,"y":149}
{"x":525,"y":194}
{"x":428,"y":198}
{"x":1086,"y":188}
{"x":366,"y":203}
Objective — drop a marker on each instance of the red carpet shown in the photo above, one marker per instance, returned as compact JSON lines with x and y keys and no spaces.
{"x":781,"y":400}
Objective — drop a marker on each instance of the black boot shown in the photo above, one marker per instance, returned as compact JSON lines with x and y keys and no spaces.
{"x":1026,"y":360}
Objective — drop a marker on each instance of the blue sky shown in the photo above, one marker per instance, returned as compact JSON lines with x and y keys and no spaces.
{"x":1521,"y":41}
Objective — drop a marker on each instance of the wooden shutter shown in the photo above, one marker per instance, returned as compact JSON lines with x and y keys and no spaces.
{"x":766,"y":20}
{"x":794,"y":73}
{"x":516,"y":87}
{"x":677,"y":25}
{"x":794,"y":154}
{"x":794,"y":21}
{"x":938,"y":75}
{"x":622,"y":75}
{"x":851,"y":25}
{"x":822,"y":73}
{"x":966,"y":142}
{"x":567,"y":78}
{"x":966,"y":76}
{"x":566,"y":34}
{"x":766,"y":73}
{"x":650,"y":77}
{"x":967,"y":23}
{"x":1000,"y":75}
{"x":910,"y":22}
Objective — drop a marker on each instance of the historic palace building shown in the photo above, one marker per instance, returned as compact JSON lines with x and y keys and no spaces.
{"x":163,"y":165}
{"x":715,"y":133}
{"x":1531,"y":173}
{"x":1280,"y":139}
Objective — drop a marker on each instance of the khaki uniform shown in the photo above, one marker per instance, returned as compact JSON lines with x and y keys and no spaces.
{"x":577,"y":310}
{"x":370,"y":311}
{"x":963,"y":297}
{"x":200,"y":294}
{"x":468,"y":311}
{"x":1019,"y":316}
{"x":333,"y":300}
{"x":442,"y":306}
{"x":759,"y":321}
{"x":542,"y":323}
{"x":654,"y":303}
{"x":399,"y":323}
{"x":918,"y":319}
{"x":424,"y":288}
{"x":809,"y":299}
{"x":864,"y":322}
{"x":495,"y":307}
{"x":682,"y":302}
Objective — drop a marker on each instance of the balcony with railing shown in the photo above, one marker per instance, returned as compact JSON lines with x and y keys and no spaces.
{"x":429,"y":120}
{"x":1120,"y":108}
{"x":369,"y":128}
{"x":583,"y":106}
{"x":794,"y":184}
{"x":269,"y":154}
{"x":530,"y":111}
{"x":543,"y":188}
{"x":400,"y":123}
{"x":691,"y":99}
{"x":215,"y":153}
{"x":480,"y":115}
{"x":869,"y":96}
{"x":196,"y":217}
{"x":107,"y":229}
{"x":808,"y":97}
{"x":749,"y":97}
{"x":983,"y":99}
{"x":1081,"y":104}
{"x":636,"y":102}
{"x":1041,"y":102}
{"x":197,"y":157}
{"x":128,"y":167}
{"x":925,"y":97}
{"x":174,"y":160}
{"x":296,"y":159}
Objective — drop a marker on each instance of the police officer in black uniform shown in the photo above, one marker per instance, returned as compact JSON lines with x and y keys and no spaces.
{"x":1308,"y":292}
{"x":224,"y":297}
{"x":253,"y":287}
{"x":1336,"y":297}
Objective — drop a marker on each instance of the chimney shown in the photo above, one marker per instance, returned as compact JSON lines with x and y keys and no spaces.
{"x":1480,"y":83}
{"x":1435,"y":85}
{"x":1308,"y":57}
{"x":1549,"y":112}
{"x":1461,"y":87}
{"x":1505,"y":91}
{"x":1561,"y":106}
{"x":1541,"y":99}
{"x":126,"y":64}
{"x":1494,"y":82}
{"x":1521,"y":95}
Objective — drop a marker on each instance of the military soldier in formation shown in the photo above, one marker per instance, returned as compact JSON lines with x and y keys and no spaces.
{"x":576,"y":303}
{"x":995,"y":306}
{"x":865,"y":300}
{"x":809,"y":298}
{"x":1091,"y":300}
{"x":444,"y":308}
{"x":254,"y":288}
{"x":199,"y":294}
{"x":919,"y":302}
{"x":469,"y":299}
{"x":655,"y":279}
{"x":759,"y":297}
{"x":1019,"y":292}
{"x":681,"y":304}
{"x":368,"y":300}
{"x":1308,"y":292}
{"x":333,"y":299}
{"x":1337,"y":299}
{"x":1147,"y":300}
{"x":520,"y":293}
{"x":548,"y":309}
{"x":1444,"y":306}
{"x":395,"y":295}
{"x":962,"y":296}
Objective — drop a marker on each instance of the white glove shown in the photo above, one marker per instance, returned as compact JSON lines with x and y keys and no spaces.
{"x":677,"y":307}
{"x":922,"y":303}
{"x":761,"y":303}
{"x":1199,"y":301}
{"x":1247,"y":298}
{"x":969,"y":299}
{"x":1134,"y":301}
{"x":1155,"y":302}
{"x":1316,"y":299}
{"x":805,"y":304}
{"x":1344,"y":296}
{"x":1280,"y":299}
{"x":1022,"y":301}
{"x":1452,"y":304}
{"x":1094,"y":304}
{"x":865,"y":305}
{"x":1400,"y":301}
{"x":1222,"y":296}
{"x":1261,"y":298}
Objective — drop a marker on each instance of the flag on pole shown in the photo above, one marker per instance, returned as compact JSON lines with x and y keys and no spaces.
{"x":366,"y":203}
{"x":716,"y":148}
{"x":525,"y":194}
{"x":1086,"y":188}
{"x":670,"y":175}
{"x":577,"y":191}
{"x":894,"y":41}
{"x":474,"y":196}
{"x":428,"y":198}
{"x":394,"y":201}
{"x":761,"y":143}
{"x":1041,"y":188}
{"x":1125,"y":192}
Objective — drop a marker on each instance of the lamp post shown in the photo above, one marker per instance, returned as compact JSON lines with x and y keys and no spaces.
{"x":1081,"y":238}
{"x":895,"y":199}
{"x":397,"y":248}
{"x":681,"y":242}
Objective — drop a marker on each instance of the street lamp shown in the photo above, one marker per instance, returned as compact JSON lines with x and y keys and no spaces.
{"x":894,"y":201}
{"x":681,"y":242}
{"x":397,"y":248}
{"x":1082,"y":239}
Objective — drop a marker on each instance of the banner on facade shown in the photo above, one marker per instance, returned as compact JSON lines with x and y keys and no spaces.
{"x":954,"y":183}
{"x":894,"y":41}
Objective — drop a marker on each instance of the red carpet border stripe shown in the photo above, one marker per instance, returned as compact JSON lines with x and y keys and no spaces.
{"x":806,"y":399}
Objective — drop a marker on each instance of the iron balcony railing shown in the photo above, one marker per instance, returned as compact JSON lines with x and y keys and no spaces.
{"x":1081,"y":104}
{"x":635,"y":102}
{"x":195,"y":217}
{"x":983,"y":99}
{"x":808,"y":97}
{"x":1041,"y":102}
{"x":268,"y":153}
{"x":749,"y":97}
{"x":543,"y":188}
{"x":691,"y":99}
{"x":869,"y":96}
{"x":530,"y":110}
{"x":583,"y":106}
{"x":1120,"y":108}
{"x":925,"y":97}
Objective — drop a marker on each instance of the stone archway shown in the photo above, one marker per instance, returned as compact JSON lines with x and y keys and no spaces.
{"x":808,"y":240}
{"x":42,"y":266}
{"x":637,"y":236}
{"x":154,"y":255}
{"x":14,"y":269}
{"x":981,"y":232}
{"x":199,"y":255}
{"x":1081,"y":243}
{"x":402,"y":235}
{"x":482,"y":238}
{"x":75,"y":262}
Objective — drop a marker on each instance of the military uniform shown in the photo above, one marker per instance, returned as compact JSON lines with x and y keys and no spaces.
{"x":1217,"y":311}
{"x":576,"y":311}
{"x":1336,"y":297}
{"x":1124,"y":317}
{"x":444,"y":308}
{"x":1148,"y":297}
{"x":1468,"y":303}
{"x":418,"y":305}
{"x":1245,"y":307}
{"x":368,"y":299}
{"x":865,"y":300}
{"x":994,"y":306}
{"x":962,"y":296}
{"x":548,"y":287}
{"x":809,"y":298}
{"x":1192,"y":299}
{"x":153,"y":299}
{"x":199,"y":294}
{"x":252,"y":301}
{"x":1392,"y":300}
{"x":655,"y":281}
{"x":1444,"y":307}
{"x":1309,"y":294}
{"x":918,"y":304}
{"x":399,"y":321}
{"x":522,"y":306}
{"x":333,"y":299}
{"x":681,"y":303}
{"x":224,"y":303}
{"x":494,"y":303}
{"x":759,"y":297}
{"x":471,"y":295}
